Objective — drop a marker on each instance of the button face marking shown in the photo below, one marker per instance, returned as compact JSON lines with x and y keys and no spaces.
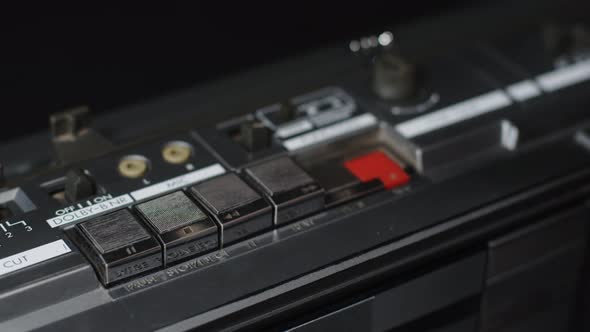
{"x":117,"y":245}
{"x":239,"y":208}
{"x":293,"y":192}
{"x":182,"y":227}
{"x":114,"y":231}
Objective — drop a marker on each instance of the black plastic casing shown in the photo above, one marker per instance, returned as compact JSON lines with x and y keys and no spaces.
{"x":468,"y":237}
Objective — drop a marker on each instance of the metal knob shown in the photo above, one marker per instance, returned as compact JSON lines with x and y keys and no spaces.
{"x":394,"y":78}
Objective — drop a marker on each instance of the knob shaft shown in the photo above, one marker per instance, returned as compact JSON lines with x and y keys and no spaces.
{"x":394,"y":78}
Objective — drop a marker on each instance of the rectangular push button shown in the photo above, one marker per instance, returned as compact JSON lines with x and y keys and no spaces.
{"x":118,"y":245}
{"x":293,"y":192}
{"x":241,"y":211}
{"x":377,"y":165}
{"x":182,"y":227}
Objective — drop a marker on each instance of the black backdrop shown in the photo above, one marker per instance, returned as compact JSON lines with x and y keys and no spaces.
{"x":108,"y":58}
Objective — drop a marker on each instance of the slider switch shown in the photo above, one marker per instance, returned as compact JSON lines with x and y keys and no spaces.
{"x":255,"y":136}
{"x":293,"y":192}
{"x":181,"y":226}
{"x":241,"y":211}
{"x":117,"y":245}
{"x":78,"y":186}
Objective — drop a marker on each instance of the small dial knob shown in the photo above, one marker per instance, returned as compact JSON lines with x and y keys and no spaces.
{"x":394,"y":77}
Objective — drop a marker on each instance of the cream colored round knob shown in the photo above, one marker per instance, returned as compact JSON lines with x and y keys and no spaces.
{"x":177,"y":152}
{"x":133,"y":166}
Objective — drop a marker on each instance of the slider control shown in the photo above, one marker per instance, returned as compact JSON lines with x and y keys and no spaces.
{"x":286,"y":112}
{"x":78,"y":186}
{"x":254,"y":135}
{"x":74,"y":139}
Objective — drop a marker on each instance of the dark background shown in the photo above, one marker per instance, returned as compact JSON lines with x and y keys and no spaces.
{"x":107,"y":58}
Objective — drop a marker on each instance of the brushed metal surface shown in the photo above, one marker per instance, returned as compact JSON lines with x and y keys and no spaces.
{"x":113,"y":231}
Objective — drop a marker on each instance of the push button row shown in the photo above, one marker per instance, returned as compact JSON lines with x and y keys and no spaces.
{"x":176,"y":226}
{"x":209,"y":215}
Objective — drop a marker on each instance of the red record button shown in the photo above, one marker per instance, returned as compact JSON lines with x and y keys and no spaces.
{"x":377,"y":165}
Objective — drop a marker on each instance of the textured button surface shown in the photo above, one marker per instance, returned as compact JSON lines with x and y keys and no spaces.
{"x":172,"y":211}
{"x":114,"y":231}
{"x":225,"y":193}
{"x":279,"y":175}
